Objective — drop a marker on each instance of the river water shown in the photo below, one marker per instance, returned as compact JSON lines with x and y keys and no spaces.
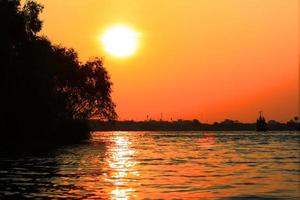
{"x":160,"y":165}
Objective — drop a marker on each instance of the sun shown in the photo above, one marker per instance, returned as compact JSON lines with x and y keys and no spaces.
{"x":120,"y":40}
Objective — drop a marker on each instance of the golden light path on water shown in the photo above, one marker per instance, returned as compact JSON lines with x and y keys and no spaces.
{"x":121,"y":165}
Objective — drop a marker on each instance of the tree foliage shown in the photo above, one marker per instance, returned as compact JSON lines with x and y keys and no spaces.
{"x":45,"y":88}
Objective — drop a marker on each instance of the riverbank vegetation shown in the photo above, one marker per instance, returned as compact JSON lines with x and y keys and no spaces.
{"x":47,"y":94}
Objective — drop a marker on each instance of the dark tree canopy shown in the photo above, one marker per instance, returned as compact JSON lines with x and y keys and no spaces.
{"x":46,"y":92}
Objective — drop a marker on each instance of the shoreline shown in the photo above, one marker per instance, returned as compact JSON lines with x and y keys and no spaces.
{"x":186,"y":125}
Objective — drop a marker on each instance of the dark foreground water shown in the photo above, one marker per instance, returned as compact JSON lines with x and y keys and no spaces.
{"x":153,"y":165}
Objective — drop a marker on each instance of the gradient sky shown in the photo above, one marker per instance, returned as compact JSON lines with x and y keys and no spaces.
{"x":204,"y":59}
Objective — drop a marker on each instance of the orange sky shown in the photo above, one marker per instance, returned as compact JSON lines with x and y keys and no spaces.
{"x":208,"y":59}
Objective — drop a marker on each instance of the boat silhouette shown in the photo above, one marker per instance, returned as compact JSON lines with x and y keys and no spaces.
{"x":261,"y":124}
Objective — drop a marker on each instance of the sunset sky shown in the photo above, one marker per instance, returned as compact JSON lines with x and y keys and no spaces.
{"x":204,"y":59}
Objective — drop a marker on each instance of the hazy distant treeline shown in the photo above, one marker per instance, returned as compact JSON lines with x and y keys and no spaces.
{"x":189,"y":125}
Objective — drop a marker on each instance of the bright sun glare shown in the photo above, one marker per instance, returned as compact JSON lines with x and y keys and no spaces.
{"x":120,"y":40}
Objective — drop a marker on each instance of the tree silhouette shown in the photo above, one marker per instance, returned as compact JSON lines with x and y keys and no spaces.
{"x":46,"y":93}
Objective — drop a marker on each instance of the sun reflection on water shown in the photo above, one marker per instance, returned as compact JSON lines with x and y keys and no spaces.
{"x":121,"y":166}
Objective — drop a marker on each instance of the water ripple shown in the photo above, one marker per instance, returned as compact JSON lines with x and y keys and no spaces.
{"x":160,"y":165}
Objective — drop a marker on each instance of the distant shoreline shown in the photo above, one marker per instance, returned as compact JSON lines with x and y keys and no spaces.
{"x":187,"y":125}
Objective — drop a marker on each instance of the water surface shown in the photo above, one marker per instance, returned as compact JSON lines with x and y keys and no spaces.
{"x":153,"y":165}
